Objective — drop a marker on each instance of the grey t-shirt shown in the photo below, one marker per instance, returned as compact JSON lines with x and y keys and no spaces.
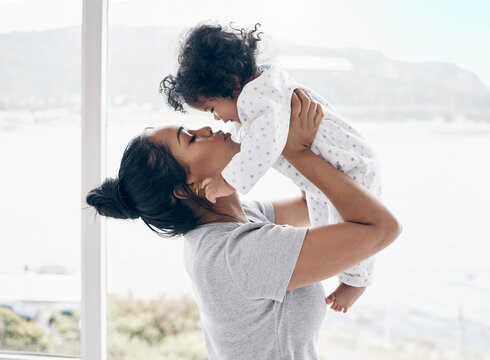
{"x":240,"y":273}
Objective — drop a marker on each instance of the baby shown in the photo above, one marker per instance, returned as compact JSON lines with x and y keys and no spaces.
{"x":218,"y":73}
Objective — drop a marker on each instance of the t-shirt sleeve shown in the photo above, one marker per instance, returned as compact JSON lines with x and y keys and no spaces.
{"x":263,"y":210}
{"x":261,"y":258}
{"x":267,"y":209}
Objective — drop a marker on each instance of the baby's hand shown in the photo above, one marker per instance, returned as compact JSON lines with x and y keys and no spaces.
{"x":216,"y":187}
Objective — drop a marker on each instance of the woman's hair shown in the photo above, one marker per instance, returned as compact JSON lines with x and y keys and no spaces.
{"x":213,"y":62}
{"x":144,"y":188}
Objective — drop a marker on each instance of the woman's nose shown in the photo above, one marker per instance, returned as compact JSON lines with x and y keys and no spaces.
{"x":206,"y":131}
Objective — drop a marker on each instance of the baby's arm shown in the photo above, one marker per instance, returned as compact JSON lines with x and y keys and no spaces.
{"x":261,"y":146}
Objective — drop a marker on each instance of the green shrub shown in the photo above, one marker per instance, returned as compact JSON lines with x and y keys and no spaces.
{"x":153,"y":320}
{"x":18,"y":334}
{"x":165,"y":328}
{"x":64,"y":334}
{"x":185,"y":346}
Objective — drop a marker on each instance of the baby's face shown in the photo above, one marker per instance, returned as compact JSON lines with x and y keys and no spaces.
{"x":224,"y":109}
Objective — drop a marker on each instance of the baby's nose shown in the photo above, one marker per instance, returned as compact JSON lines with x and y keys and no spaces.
{"x":216,"y":117}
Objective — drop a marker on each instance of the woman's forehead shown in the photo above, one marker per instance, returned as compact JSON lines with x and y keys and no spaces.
{"x":163,"y":133}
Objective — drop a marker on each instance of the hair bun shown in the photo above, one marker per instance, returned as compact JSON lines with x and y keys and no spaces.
{"x":109,"y":200}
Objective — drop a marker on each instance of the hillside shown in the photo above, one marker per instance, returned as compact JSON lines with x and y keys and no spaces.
{"x":42,"y":70}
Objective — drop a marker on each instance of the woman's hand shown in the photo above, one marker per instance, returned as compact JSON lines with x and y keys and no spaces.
{"x":305,"y":120}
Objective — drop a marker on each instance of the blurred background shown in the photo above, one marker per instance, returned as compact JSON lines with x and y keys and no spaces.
{"x":412,"y":77}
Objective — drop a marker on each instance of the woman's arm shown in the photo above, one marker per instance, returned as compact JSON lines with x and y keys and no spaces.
{"x":368,"y":225}
{"x":292,"y":211}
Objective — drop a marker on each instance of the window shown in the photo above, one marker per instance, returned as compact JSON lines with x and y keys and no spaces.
{"x":40,"y":181}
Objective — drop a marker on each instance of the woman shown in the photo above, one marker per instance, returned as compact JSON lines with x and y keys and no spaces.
{"x":256,"y":279}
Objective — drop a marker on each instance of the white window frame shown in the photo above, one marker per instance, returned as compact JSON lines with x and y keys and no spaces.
{"x":94,"y":130}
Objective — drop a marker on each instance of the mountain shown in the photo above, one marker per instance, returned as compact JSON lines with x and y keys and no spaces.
{"x":40,"y":70}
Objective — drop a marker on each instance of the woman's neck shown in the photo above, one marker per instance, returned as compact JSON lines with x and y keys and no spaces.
{"x":228,"y":209}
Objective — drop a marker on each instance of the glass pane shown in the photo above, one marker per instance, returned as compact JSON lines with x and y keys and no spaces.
{"x":40,"y":181}
{"x":431,"y":298}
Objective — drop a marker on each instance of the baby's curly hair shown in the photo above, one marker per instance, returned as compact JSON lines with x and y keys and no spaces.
{"x":213,"y":62}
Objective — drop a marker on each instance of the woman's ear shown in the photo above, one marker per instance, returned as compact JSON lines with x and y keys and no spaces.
{"x":182,"y":192}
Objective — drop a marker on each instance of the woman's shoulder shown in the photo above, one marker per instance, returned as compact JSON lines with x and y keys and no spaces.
{"x":258,"y":210}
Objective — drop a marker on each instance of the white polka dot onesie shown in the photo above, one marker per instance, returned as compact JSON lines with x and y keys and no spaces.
{"x":264,"y":108}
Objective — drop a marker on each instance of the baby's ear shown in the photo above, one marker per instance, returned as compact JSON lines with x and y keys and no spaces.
{"x":236,"y":83}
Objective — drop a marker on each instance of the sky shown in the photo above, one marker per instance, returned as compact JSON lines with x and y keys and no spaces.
{"x":431,"y":30}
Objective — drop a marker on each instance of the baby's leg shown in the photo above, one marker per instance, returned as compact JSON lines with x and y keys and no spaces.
{"x":344,"y":297}
{"x":320,"y":212}
{"x":353,"y":281}
{"x":317,"y":209}
{"x":344,"y":148}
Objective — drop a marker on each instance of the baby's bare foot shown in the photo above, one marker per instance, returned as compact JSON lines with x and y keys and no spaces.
{"x":344,"y":297}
